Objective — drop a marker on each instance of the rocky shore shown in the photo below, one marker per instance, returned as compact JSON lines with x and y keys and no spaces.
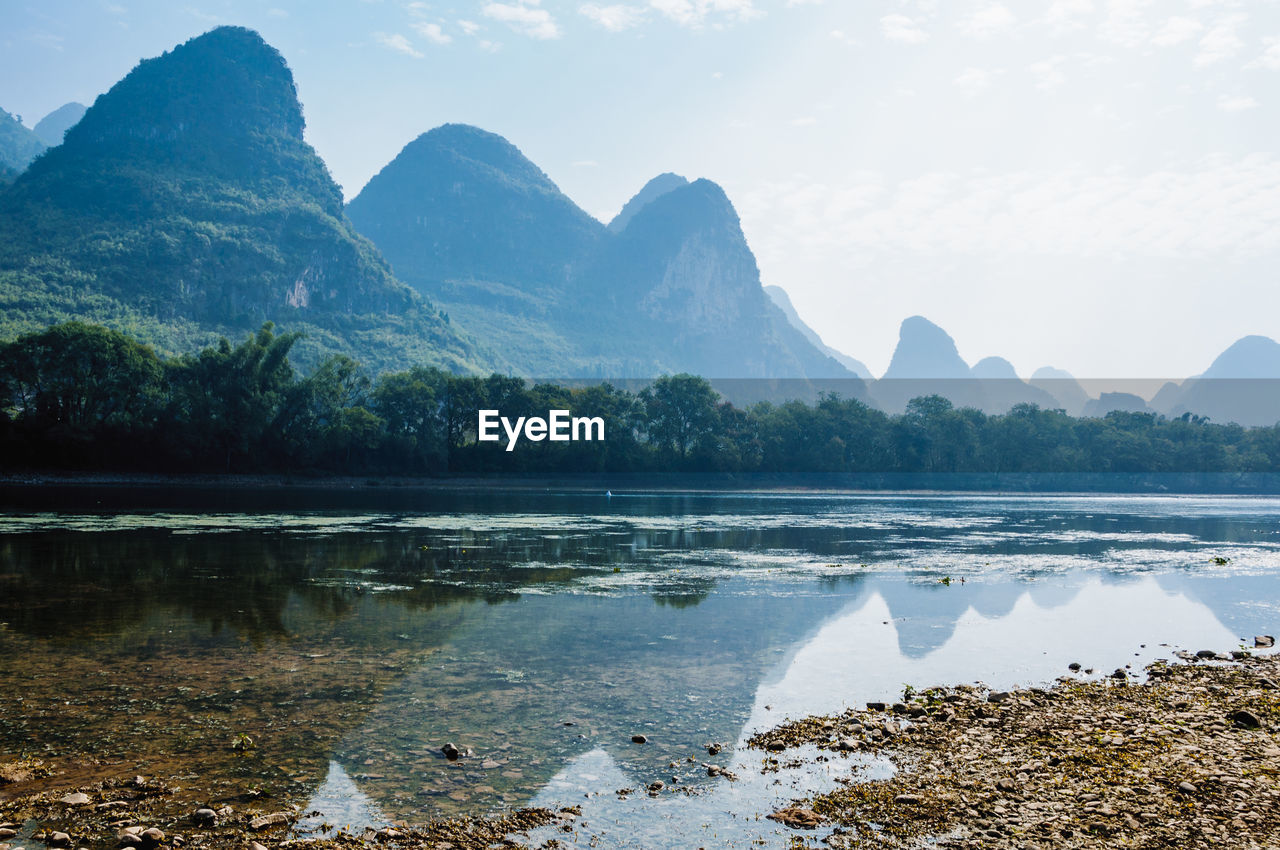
{"x":145,"y":814}
{"x":1188,"y":758}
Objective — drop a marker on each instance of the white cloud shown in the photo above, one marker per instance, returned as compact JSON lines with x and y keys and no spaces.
{"x":1213,"y":208}
{"x":1048,"y":72}
{"x":1175,"y":31}
{"x":398,"y":43}
{"x":524,"y":16}
{"x":696,"y":13}
{"x":432,"y":32}
{"x":469,"y":27}
{"x":1270,"y":58}
{"x":1236,"y":103}
{"x":902,"y":29}
{"x":974,"y":81}
{"x":615,"y":18}
{"x":990,"y":20}
{"x":1221,"y":42}
{"x":1066,"y":15}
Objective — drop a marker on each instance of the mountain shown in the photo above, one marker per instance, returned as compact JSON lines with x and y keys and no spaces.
{"x":1064,"y":388}
{"x":466,"y":219}
{"x":1242,"y":385}
{"x":55,"y":125}
{"x":783,"y":302}
{"x":924,"y":351}
{"x":993,"y":369}
{"x":1249,"y":358}
{"x":926,"y":362}
{"x":678,"y":290}
{"x":654,"y":189}
{"x":471,"y":223}
{"x":1115,"y":401}
{"x":18,"y":145}
{"x":185,"y":205}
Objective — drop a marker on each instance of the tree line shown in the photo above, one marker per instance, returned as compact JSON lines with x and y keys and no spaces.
{"x":83,"y":397}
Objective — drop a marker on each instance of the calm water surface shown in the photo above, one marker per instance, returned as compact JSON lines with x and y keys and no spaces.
{"x":321,"y":654}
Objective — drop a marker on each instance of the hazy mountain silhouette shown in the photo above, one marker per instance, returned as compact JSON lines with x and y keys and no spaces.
{"x":679,"y":290}
{"x":468,"y":220}
{"x":1242,"y":385}
{"x":654,"y":189}
{"x":54,"y":126}
{"x":18,"y":145}
{"x":185,"y":204}
{"x":926,"y":362}
{"x":1064,"y":388}
{"x":1115,"y":401}
{"x":779,"y":297}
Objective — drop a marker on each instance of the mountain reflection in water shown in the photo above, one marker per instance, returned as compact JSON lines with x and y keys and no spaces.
{"x":543,"y":631}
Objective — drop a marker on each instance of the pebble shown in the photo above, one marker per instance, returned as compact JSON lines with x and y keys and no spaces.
{"x":76,"y":799}
{"x":1074,"y":667}
{"x":59,"y":839}
{"x":656,"y":786}
{"x":152,"y":837}
{"x":714,"y":749}
{"x":1246,"y":719}
{"x":266,"y":821}
{"x":1187,"y":788}
{"x":7,"y":833}
{"x":205,"y":817}
{"x":997,"y":696}
{"x":1264,"y":641}
{"x":451,"y":751}
{"x":847,"y":745}
{"x":639,"y":739}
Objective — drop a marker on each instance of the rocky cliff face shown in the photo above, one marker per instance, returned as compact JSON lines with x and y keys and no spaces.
{"x":671,"y":286}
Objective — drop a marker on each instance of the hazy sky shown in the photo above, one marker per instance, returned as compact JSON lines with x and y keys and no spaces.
{"x":1088,"y":184}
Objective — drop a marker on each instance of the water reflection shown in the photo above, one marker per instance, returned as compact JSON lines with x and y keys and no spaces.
{"x":542,"y":631}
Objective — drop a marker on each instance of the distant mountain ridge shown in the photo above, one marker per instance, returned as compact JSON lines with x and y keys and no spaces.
{"x":185,"y":204}
{"x":53,"y":127}
{"x":18,"y":145}
{"x":783,"y":301}
{"x":669,"y":286}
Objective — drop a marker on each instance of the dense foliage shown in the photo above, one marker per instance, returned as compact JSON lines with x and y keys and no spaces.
{"x":186,"y":205}
{"x":18,"y":145}
{"x":78,"y":396}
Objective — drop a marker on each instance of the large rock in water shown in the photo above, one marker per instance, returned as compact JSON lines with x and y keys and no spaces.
{"x":185,"y":203}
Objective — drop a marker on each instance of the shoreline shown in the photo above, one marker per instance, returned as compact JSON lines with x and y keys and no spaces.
{"x":1190,"y":757}
{"x":661,"y":483}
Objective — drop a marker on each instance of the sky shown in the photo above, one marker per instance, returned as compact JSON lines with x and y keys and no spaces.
{"x":1092,"y":185}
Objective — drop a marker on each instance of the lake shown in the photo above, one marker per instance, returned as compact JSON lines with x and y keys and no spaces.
{"x":319,"y":648}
